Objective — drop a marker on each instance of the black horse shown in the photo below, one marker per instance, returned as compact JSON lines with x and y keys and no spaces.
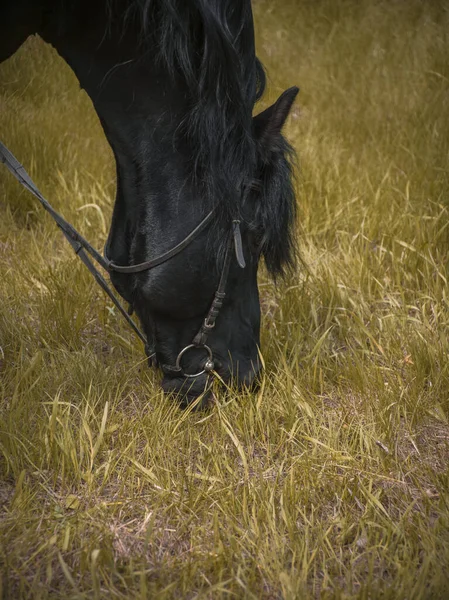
{"x":174,"y":83}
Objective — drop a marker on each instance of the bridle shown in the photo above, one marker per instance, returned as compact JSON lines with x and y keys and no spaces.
{"x":82,"y":248}
{"x":201,"y":338}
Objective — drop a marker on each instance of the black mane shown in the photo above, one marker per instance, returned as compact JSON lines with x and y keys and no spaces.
{"x":210,"y":44}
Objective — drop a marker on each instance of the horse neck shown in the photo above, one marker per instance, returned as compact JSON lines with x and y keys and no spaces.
{"x":140,"y":108}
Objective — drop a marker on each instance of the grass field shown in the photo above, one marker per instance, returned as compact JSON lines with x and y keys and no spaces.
{"x":332,"y":481}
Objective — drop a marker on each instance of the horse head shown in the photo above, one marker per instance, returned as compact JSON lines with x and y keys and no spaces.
{"x":174,"y":83}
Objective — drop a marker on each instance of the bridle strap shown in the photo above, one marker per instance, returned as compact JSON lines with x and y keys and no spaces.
{"x":209,"y":322}
{"x":154,"y":262}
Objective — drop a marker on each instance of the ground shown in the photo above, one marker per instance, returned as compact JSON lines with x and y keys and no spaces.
{"x":332,"y":480}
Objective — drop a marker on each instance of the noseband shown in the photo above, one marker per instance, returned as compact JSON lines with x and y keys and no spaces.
{"x":82,"y":248}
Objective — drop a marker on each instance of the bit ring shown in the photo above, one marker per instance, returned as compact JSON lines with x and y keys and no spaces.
{"x":208,"y":365}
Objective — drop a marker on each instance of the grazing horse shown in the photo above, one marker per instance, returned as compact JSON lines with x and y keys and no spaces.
{"x":174,"y":83}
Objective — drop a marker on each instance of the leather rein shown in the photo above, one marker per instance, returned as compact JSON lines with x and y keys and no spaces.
{"x":83,"y":249}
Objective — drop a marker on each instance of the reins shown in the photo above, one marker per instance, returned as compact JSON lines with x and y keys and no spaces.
{"x":79,"y":244}
{"x":82,"y":248}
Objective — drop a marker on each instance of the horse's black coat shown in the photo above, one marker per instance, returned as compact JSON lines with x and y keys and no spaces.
{"x":174,"y":83}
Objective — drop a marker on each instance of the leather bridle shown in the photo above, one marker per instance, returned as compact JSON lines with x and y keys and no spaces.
{"x":201,"y":338}
{"x":82,"y":248}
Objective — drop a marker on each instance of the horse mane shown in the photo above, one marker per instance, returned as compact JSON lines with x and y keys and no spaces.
{"x":210,"y":44}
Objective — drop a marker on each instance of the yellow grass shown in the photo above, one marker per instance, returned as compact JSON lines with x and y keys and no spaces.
{"x":332,"y":481}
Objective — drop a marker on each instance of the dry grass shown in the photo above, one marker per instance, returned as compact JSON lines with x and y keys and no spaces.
{"x":332,"y":481}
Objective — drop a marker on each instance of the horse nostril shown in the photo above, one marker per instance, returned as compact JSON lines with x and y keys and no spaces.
{"x":187,"y":391}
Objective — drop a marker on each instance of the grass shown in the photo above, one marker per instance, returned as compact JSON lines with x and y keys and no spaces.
{"x":332,"y":481}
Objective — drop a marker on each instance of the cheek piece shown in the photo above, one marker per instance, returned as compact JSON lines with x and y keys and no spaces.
{"x":200,"y":340}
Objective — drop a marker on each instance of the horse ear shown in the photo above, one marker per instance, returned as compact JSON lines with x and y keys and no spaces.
{"x":268,"y":124}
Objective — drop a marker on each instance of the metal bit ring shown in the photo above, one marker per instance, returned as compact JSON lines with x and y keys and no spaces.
{"x":208,"y":365}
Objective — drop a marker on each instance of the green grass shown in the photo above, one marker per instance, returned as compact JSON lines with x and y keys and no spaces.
{"x":332,"y":481}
